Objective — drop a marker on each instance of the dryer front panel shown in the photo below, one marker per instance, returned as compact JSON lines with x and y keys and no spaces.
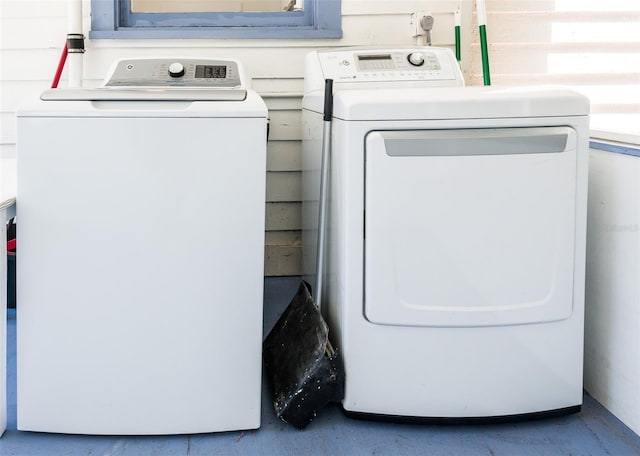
{"x":470,"y":227}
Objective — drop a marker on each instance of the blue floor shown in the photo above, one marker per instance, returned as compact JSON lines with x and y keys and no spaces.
{"x":594,"y":431}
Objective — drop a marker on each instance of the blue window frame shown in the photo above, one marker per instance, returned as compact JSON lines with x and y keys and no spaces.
{"x":114,"y":19}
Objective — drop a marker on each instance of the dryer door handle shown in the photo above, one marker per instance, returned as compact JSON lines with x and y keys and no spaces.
{"x":489,"y":141}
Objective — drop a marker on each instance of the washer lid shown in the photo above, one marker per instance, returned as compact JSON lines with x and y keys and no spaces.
{"x":253,"y":106}
{"x":145,"y":94}
{"x":453,"y":103}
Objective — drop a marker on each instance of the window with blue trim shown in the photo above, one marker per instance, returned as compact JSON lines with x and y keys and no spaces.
{"x":127,"y":19}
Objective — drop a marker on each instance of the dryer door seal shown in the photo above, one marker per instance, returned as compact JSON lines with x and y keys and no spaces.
{"x":471,"y":227}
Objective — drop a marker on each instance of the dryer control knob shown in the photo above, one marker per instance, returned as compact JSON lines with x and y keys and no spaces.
{"x":416,"y":59}
{"x":176,"y":70}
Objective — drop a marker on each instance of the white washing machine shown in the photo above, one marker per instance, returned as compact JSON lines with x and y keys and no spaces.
{"x":140,"y":272}
{"x":456,"y":236}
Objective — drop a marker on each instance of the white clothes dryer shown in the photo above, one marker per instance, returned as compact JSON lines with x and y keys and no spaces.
{"x":456,"y":236}
{"x":140,"y":271}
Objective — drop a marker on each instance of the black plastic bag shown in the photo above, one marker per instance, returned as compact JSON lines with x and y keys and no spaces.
{"x":304,"y":371}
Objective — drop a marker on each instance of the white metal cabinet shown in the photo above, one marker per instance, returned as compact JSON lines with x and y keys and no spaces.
{"x":140,"y":275}
{"x":456,"y":240}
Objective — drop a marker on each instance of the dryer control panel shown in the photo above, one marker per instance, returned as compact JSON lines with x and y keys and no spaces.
{"x":188,"y":73}
{"x":428,"y":66}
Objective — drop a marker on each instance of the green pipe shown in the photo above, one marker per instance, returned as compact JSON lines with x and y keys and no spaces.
{"x":485,"y":55}
{"x":456,"y":24}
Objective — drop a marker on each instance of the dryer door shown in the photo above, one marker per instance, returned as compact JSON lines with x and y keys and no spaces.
{"x":469,"y":227}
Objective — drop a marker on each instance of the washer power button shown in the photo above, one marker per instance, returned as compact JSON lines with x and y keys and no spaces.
{"x":176,"y":70}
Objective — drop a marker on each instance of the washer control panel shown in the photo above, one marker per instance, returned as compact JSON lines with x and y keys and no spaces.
{"x":380,"y":65}
{"x":188,"y":73}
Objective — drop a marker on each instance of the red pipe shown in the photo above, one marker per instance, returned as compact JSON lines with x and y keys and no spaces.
{"x":63,"y":59}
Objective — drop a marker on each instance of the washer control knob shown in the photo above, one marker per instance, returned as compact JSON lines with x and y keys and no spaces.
{"x":416,"y":59}
{"x":176,"y":70}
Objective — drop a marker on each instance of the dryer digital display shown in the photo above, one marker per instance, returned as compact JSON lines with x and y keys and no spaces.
{"x":375,"y":62}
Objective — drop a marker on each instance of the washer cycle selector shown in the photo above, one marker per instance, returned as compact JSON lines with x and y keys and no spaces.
{"x":416,"y":58}
{"x":176,"y":70}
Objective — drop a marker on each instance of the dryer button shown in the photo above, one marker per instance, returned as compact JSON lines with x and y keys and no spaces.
{"x":416,"y":59}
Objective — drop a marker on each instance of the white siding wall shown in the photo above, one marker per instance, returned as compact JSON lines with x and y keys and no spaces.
{"x":33,"y":33}
{"x":612,"y":317}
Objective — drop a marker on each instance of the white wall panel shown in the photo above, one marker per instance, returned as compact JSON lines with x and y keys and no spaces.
{"x":283,"y":216}
{"x":279,"y":87}
{"x":8,"y":129}
{"x":283,"y":156}
{"x":16,"y":9}
{"x":7,"y":171}
{"x":285,"y":125}
{"x":52,"y":32}
{"x":14,"y":92}
{"x":29,"y":65}
{"x":612,"y":320}
{"x":284,"y":186}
